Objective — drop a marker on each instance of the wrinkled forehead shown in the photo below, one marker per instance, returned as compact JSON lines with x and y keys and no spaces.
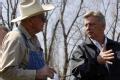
{"x":91,"y":19}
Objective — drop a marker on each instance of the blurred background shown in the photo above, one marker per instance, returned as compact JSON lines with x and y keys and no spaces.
{"x":64,"y":28}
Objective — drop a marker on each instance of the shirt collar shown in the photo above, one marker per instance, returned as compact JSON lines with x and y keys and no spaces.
{"x":25,"y":32}
{"x":97,"y":43}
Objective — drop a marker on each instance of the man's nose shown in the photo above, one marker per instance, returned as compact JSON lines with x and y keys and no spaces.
{"x":88,"y":26}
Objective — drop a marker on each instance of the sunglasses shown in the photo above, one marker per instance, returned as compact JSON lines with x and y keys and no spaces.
{"x":42,"y":17}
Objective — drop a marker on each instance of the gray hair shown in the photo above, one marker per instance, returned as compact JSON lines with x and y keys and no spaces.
{"x":96,"y":14}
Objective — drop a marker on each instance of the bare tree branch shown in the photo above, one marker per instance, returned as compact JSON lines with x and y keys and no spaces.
{"x":116,"y":20}
{"x":52,"y":40}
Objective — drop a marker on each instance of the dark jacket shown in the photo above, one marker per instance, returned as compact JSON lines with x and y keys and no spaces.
{"x":86,"y":66}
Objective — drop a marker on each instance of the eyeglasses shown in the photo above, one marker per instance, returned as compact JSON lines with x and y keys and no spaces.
{"x":41,"y":16}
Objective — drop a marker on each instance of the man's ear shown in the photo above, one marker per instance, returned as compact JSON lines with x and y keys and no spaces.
{"x":103,"y":25}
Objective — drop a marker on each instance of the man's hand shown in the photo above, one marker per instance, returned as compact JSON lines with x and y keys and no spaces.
{"x":105,"y":56}
{"x":45,"y":72}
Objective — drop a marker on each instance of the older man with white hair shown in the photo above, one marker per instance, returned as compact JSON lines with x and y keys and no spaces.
{"x":22,"y":56}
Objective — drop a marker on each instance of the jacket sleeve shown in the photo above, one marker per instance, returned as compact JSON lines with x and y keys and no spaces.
{"x":81,"y":65}
{"x":13,"y":53}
